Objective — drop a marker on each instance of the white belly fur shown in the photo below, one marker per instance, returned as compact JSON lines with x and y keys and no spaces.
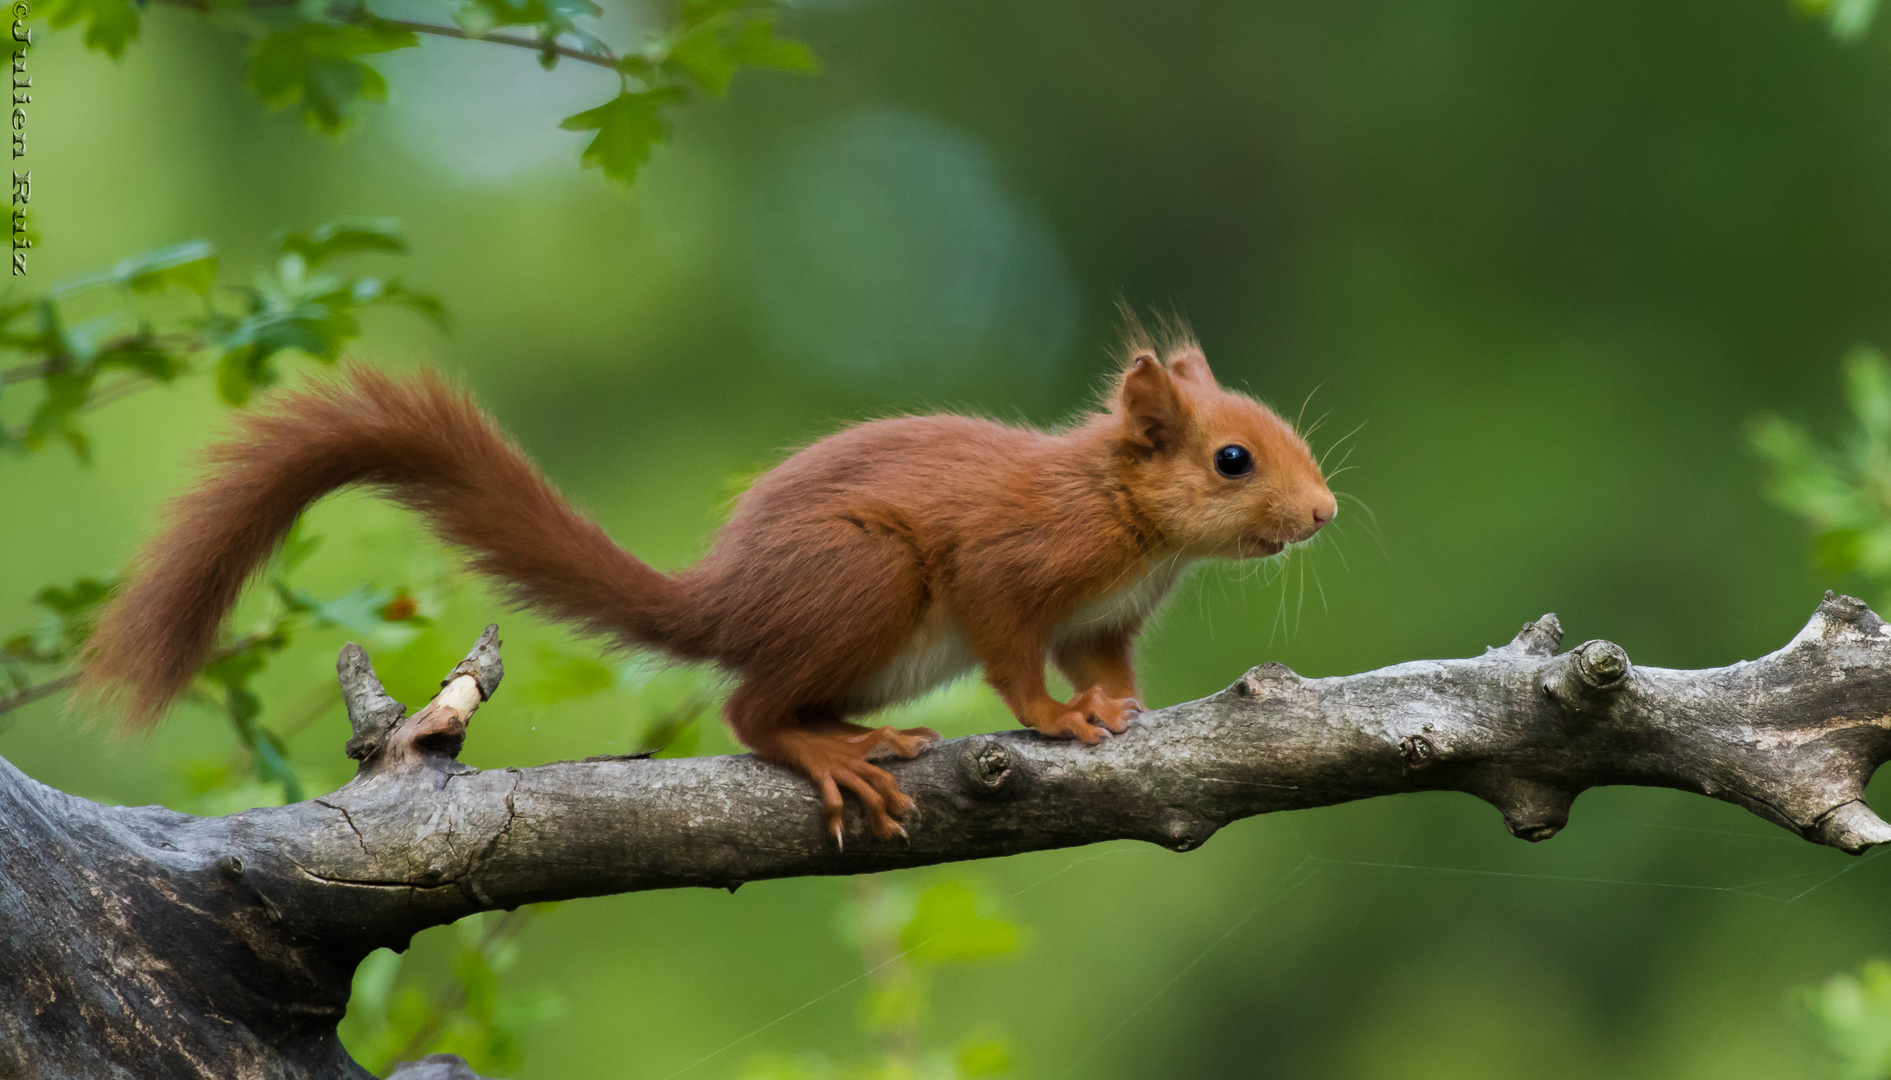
{"x":1129,"y":602}
{"x":938,"y":652}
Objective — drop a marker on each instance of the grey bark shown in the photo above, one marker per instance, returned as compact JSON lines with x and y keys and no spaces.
{"x":141,"y":942}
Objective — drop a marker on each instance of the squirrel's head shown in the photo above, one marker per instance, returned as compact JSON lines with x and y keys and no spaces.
{"x":1217,"y":472}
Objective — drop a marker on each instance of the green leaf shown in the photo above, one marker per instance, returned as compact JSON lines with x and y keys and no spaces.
{"x":1853,"y":1013}
{"x":475,"y":17}
{"x":1848,"y":19}
{"x":391,"y":292}
{"x":191,"y":266}
{"x":673,"y":734}
{"x":756,"y":46}
{"x":699,"y":12}
{"x":110,"y":25}
{"x":1802,"y":477}
{"x":312,"y":313}
{"x":554,"y":19}
{"x":12,"y":313}
{"x":66,"y":392}
{"x":1868,"y":391}
{"x":345,"y":237}
{"x":85,"y":595}
{"x":72,"y":611}
{"x":496,"y":13}
{"x":51,"y":336}
{"x":315,"y":314}
{"x":425,"y":304}
{"x":1874,"y":553}
{"x":947,"y":928}
{"x":315,"y":64}
{"x":984,"y":1054}
{"x":627,"y":127}
{"x":365,"y":611}
{"x":704,"y":57}
{"x":320,"y":330}
{"x":233,"y":381}
{"x":141,"y":354}
{"x":239,"y":373}
{"x":719,"y":46}
{"x":899,"y":1003}
{"x":272,"y":762}
{"x":233,"y":672}
{"x":295,"y":550}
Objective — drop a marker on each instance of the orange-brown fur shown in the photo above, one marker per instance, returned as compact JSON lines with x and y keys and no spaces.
{"x":863,"y":569}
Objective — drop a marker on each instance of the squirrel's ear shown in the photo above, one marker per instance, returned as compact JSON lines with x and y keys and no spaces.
{"x":1151,"y":408}
{"x":1192,"y":367}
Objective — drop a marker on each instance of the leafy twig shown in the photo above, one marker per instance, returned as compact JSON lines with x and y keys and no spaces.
{"x":315,"y":56}
{"x":53,"y":686}
{"x":605,"y":60}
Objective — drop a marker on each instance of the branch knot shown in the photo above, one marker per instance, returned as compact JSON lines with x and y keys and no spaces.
{"x":1587,"y":678}
{"x":1601,"y":665}
{"x":1257,"y":678}
{"x":1540,"y":638}
{"x":1418,"y":751}
{"x":1533,"y":810}
{"x":986,"y":765}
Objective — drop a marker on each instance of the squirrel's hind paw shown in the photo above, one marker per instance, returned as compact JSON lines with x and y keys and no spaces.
{"x":837,"y":764}
{"x":895,"y":742}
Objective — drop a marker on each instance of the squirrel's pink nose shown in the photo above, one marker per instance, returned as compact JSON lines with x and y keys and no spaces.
{"x":1324,"y":510}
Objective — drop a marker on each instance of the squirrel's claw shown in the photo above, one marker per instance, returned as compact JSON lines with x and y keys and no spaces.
{"x":836,"y":762}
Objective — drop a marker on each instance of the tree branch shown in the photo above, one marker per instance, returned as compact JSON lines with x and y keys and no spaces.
{"x":36,"y":691}
{"x":361,"y":15}
{"x":291,"y":898}
{"x":39,"y":690}
{"x":535,"y":44}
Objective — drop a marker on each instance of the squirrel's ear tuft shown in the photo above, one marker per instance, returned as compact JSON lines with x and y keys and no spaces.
{"x":1190,"y":366}
{"x":1151,"y":408}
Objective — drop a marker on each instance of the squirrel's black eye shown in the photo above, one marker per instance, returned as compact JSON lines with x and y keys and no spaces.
{"x":1234,"y":461}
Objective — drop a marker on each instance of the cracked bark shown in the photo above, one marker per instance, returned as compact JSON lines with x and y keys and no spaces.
{"x":141,"y":942}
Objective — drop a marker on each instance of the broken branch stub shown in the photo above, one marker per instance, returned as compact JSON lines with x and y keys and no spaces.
{"x":386,"y":738}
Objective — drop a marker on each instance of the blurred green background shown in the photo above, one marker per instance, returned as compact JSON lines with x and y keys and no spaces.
{"x":1547,"y":259}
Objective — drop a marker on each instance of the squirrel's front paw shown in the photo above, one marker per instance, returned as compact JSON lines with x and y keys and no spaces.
{"x":1091,"y":716}
{"x":1111,"y":713}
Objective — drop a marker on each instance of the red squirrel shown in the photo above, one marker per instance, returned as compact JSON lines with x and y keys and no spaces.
{"x":866,"y":569}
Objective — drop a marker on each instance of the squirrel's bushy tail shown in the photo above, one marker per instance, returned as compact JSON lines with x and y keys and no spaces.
{"x":415,"y":439}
